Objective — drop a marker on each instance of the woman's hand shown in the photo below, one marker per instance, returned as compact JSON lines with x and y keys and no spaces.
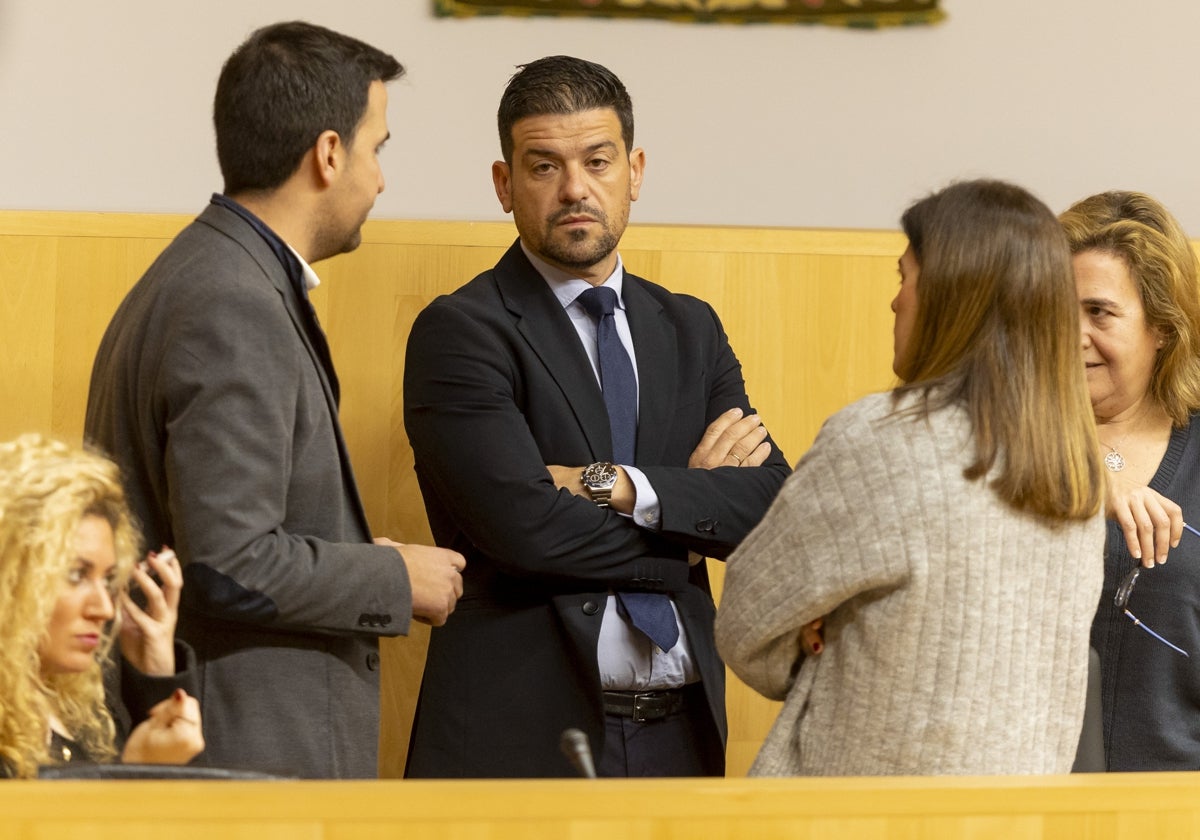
{"x":148,"y":635}
{"x":172,"y":734}
{"x":1152,"y":523}
{"x":812,"y":637}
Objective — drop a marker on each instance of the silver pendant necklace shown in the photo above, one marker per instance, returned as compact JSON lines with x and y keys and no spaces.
{"x":1113,"y":460}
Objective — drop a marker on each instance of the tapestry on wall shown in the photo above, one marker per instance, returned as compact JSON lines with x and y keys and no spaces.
{"x":867,"y":14}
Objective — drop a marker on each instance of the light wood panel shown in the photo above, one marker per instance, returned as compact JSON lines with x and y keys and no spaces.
{"x":806,"y":311}
{"x":1096,"y":807}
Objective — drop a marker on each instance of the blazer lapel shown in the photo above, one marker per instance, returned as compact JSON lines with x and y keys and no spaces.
{"x":304,"y":319}
{"x":657,"y":363}
{"x":540,"y":319}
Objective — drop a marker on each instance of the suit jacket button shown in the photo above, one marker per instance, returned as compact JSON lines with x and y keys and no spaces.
{"x":704,"y":526}
{"x":364,"y":620}
{"x":385,"y":619}
{"x":590,"y":608}
{"x":372,"y":661}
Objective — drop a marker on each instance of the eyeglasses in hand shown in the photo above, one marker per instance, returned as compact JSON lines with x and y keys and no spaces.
{"x":1125,"y":589}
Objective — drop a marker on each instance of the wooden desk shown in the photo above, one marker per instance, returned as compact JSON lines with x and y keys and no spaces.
{"x":1112,"y":807}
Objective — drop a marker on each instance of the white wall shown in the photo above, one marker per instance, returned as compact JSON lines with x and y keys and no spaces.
{"x":106,"y":105}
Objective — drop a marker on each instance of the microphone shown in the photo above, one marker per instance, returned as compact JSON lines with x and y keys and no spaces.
{"x":575,"y":747}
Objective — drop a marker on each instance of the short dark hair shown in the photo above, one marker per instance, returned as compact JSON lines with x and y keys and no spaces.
{"x":280,"y":89}
{"x":561,"y":84}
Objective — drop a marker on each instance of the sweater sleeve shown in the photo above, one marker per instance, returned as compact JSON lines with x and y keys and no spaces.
{"x":823,"y":541}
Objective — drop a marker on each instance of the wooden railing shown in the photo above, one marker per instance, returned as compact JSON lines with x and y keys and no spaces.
{"x":1150,"y":806}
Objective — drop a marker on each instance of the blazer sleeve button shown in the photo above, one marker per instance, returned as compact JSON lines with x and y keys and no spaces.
{"x":705,"y":526}
{"x":372,"y":661}
{"x":590,"y":608}
{"x":364,"y":620}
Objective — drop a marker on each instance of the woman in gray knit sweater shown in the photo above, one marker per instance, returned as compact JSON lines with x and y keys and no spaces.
{"x":947,"y":532}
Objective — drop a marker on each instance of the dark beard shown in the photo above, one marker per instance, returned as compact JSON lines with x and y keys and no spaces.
{"x":330,"y":242}
{"x":584,"y":255}
{"x":577,"y":253}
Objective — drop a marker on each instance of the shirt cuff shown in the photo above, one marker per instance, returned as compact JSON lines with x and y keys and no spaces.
{"x":646,"y":512}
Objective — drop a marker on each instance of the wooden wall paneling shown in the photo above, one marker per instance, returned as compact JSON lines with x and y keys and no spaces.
{"x":63,"y":275}
{"x":27,"y":270}
{"x":422,"y":273}
{"x":375,"y":294}
{"x":92,"y":278}
{"x":360,"y":325}
{"x":403,"y":657}
{"x":750,"y":718}
{"x":837,"y":339}
{"x":762,"y":312}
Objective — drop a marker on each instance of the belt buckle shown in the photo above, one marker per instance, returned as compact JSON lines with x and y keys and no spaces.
{"x":653,"y":710}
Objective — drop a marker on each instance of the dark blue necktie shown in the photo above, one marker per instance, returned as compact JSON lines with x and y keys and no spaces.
{"x":650,"y":612}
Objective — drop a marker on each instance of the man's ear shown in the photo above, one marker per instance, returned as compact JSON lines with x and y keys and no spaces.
{"x":637,"y":168}
{"x":329,"y":156}
{"x":502,"y":179}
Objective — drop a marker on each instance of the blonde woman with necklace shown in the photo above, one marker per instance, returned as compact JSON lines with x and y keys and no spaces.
{"x":1136,"y":277}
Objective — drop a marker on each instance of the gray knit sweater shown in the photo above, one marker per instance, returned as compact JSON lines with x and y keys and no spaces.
{"x":956,"y":631}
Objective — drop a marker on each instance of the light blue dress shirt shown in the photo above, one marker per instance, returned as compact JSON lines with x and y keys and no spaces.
{"x":628,"y":659}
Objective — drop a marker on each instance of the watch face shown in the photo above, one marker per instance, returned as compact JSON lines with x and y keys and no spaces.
{"x":599,"y":476}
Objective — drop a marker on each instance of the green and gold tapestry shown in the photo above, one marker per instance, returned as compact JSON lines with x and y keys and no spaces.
{"x":867,"y":14}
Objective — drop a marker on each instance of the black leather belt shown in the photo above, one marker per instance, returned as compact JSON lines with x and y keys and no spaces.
{"x":644,"y":705}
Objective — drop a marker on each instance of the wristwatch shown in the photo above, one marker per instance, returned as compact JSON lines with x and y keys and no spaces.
{"x":599,"y":479}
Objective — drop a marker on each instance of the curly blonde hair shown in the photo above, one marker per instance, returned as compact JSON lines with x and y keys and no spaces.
{"x":46,"y":490}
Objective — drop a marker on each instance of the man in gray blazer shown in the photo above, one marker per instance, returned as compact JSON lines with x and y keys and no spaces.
{"x":214,"y":390}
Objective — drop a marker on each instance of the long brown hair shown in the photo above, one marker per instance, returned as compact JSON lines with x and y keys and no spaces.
{"x":1140,"y":232}
{"x":997,"y":332}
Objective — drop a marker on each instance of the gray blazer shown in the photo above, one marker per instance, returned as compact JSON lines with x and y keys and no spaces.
{"x":213,"y":390}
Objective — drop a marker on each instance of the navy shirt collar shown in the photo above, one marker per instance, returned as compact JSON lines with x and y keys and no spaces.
{"x":287,"y":258}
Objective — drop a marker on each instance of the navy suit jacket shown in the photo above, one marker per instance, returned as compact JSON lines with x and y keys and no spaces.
{"x":497,"y":386}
